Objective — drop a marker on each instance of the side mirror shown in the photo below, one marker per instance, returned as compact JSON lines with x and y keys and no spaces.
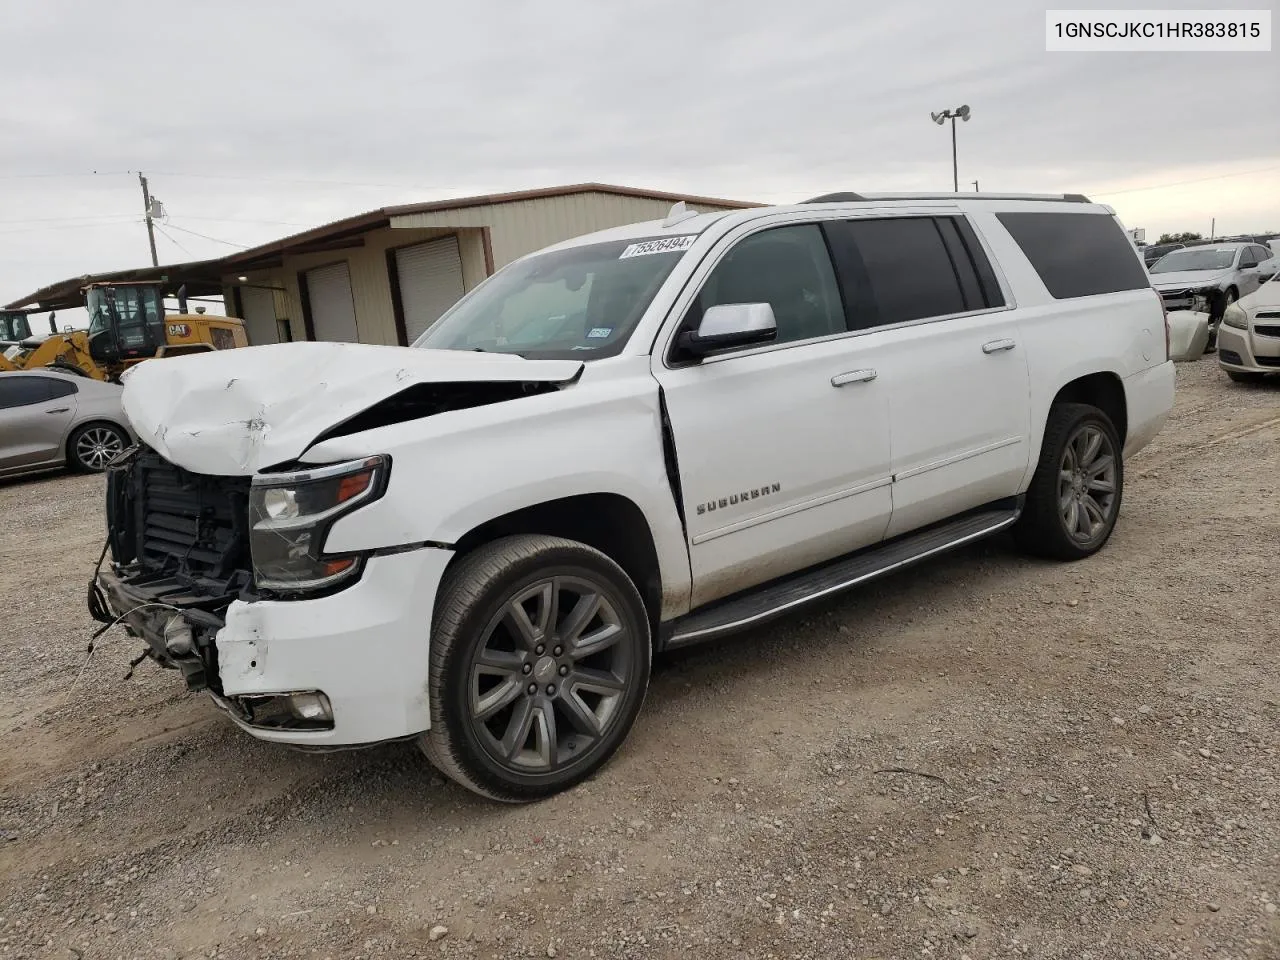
{"x":730,"y":325}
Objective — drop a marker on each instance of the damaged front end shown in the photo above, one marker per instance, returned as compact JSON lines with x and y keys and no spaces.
{"x":180,"y":554}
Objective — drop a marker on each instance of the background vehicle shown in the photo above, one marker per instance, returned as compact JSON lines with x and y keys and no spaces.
{"x":127,"y":324}
{"x":1249,"y":338}
{"x":1220,"y":272}
{"x":14,"y":327}
{"x":1153,"y":252}
{"x":628,"y":442}
{"x":50,"y":419}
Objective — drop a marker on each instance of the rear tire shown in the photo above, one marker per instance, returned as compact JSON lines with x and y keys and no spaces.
{"x":540,"y":657}
{"x":1074,"y":497}
{"x":92,"y":446}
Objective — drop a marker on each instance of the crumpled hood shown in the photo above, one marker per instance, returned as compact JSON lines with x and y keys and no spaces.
{"x":233,"y":412}
{"x":1187,"y":278}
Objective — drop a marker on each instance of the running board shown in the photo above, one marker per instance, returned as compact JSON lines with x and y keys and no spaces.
{"x":790,"y":592}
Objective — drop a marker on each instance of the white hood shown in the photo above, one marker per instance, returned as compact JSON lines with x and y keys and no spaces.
{"x":1187,"y":278}
{"x":233,"y":412}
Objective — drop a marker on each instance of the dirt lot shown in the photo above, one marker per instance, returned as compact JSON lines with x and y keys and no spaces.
{"x":1105,"y":734}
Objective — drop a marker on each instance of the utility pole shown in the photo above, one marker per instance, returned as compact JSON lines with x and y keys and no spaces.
{"x":1213,"y":228}
{"x":151,"y":230}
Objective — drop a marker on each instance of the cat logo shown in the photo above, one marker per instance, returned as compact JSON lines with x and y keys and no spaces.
{"x":742,"y":496}
{"x":179,"y":330}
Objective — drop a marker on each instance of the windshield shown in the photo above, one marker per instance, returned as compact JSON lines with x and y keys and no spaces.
{"x":1181,"y":260}
{"x":132,"y":308}
{"x":14,"y":326}
{"x":580,"y":303}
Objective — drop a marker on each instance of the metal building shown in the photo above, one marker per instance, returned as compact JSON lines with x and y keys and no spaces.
{"x":387,"y":275}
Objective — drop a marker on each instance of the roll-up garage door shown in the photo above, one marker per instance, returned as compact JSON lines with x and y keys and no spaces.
{"x":259,"y":315}
{"x":430,"y":282}
{"x":333,"y":311}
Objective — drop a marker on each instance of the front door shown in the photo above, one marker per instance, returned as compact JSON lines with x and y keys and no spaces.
{"x":783,"y":450}
{"x":35,"y":413}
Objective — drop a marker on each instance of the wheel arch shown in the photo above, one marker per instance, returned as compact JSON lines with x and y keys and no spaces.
{"x":610,"y":522}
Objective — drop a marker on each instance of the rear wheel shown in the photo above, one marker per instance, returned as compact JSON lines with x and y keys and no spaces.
{"x":1074,"y":497}
{"x":91,"y":447}
{"x":540,"y":654}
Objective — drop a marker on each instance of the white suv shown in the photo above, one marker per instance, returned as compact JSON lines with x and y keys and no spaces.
{"x":622,"y":444}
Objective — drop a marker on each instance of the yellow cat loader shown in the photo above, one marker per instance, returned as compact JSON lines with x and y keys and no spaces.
{"x":21,"y":350}
{"x":127,"y":324}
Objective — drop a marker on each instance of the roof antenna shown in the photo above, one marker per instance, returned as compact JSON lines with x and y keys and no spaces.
{"x":678,"y":213}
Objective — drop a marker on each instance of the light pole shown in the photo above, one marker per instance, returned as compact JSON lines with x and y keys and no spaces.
{"x":940,"y":118}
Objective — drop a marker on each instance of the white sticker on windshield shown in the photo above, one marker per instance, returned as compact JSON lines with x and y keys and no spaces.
{"x":665,"y":245}
{"x":598,"y":332}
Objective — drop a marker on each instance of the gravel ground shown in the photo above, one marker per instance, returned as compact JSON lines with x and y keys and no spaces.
{"x":1099,"y":739}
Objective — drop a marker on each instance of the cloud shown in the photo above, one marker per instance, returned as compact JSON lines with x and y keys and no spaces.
{"x":421,"y":101}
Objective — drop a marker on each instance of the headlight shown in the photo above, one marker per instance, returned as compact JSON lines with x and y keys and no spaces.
{"x":1234,"y":316}
{"x":291,"y":513}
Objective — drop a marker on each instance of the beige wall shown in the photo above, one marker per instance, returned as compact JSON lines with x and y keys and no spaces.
{"x":528,"y":225}
{"x":514,"y":229}
{"x":370,"y":284}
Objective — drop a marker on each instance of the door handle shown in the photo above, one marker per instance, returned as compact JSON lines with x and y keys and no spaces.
{"x":58,"y":410}
{"x":853,"y":376}
{"x":995,"y":346}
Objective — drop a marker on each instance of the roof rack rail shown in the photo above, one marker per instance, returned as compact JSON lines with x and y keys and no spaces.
{"x":857,"y":197}
{"x":837,"y":198}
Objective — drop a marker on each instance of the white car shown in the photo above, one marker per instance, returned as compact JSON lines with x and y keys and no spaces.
{"x":625,"y":443}
{"x":1249,"y":339}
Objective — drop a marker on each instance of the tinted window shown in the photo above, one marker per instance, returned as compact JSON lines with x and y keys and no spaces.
{"x":61,"y":388}
{"x":1077,"y":254}
{"x":20,"y":391}
{"x":1248,"y":257}
{"x":902,"y":266}
{"x":789,"y":269}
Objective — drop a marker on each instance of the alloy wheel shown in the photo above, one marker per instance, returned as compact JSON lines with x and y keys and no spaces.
{"x":1087,"y":484}
{"x":97,"y":447}
{"x":549,"y":675}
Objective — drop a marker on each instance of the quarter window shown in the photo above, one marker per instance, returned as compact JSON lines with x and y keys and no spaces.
{"x":1077,"y":254}
{"x":789,"y":269}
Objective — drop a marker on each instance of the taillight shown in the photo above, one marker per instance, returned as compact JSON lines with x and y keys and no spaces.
{"x":1164,"y":313}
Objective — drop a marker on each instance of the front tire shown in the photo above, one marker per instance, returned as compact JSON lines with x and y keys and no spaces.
{"x":1074,"y":497}
{"x":540,"y":656}
{"x":91,"y":447}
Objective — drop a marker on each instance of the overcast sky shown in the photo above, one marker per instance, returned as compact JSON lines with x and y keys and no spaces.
{"x":256,"y":119}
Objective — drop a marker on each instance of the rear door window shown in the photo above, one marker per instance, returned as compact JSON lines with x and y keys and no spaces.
{"x":901,"y":269}
{"x":1077,"y":254}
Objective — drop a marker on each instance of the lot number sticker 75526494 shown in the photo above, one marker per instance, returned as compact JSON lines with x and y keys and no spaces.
{"x":664,"y":245}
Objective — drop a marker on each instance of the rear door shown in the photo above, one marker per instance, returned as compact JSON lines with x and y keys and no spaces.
{"x":956,"y":374}
{"x":35,"y":415}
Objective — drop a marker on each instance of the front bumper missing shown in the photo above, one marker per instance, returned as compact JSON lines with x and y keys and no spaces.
{"x":185,"y":638}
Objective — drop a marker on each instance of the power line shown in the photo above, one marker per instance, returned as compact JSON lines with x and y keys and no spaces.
{"x":204,"y":236}
{"x":164,"y":233}
{"x":329,"y":183}
{"x":1179,"y":183}
{"x":73,"y":226}
{"x":88,"y":216}
{"x":90,"y":173}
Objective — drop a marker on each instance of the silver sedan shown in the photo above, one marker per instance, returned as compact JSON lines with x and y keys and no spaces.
{"x":50,"y":419}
